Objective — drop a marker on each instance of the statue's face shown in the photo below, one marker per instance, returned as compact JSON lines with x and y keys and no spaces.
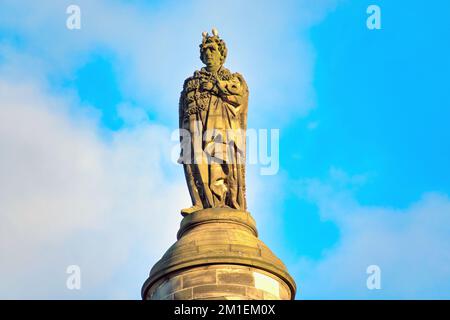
{"x":212,"y":56}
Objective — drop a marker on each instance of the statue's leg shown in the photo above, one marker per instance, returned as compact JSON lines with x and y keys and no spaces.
{"x":241,"y":197}
{"x":233,"y":176}
{"x":193,"y":191}
{"x":234,"y":187}
{"x":219,"y":185}
{"x":204,"y":180}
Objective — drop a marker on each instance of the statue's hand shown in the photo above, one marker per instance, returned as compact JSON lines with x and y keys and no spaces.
{"x":206,"y":86}
{"x":222,"y":85}
{"x":230,"y":87}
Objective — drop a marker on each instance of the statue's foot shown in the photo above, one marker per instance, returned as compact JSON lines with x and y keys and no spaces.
{"x":187,"y":211}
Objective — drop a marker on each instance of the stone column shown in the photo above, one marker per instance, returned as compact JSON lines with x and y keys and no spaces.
{"x":218,"y":256}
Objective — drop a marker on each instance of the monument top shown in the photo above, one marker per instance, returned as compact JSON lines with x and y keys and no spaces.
{"x":213,"y":120}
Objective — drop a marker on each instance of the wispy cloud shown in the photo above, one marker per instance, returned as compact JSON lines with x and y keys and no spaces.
{"x":69,"y":197}
{"x":156,"y":48}
{"x":410,"y":245}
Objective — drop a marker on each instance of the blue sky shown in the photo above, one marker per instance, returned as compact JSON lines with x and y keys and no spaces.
{"x":87,"y":115}
{"x":382,"y":103}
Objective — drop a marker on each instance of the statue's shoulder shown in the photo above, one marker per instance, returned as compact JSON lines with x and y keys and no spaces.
{"x":192,"y":82}
{"x":226,"y":74}
{"x":240,"y":77}
{"x":237,"y":79}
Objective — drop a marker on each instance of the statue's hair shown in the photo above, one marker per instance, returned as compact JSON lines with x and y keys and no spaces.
{"x":220,"y":44}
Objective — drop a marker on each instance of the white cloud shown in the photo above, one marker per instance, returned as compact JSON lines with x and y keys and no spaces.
{"x":69,"y":197}
{"x":411,"y":245}
{"x":157,"y":48}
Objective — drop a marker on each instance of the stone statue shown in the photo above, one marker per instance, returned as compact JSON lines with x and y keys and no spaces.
{"x":213,"y":120}
{"x":218,"y":254}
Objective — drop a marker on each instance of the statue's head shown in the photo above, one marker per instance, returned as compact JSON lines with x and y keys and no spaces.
{"x":213,"y":51}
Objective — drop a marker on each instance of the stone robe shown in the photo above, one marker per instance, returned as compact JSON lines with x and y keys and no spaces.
{"x":213,"y":111}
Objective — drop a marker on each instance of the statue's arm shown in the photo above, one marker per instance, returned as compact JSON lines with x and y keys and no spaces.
{"x":181,"y":104}
{"x":181,"y":110}
{"x":233,"y":91}
{"x":180,"y":124}
{"x":180,"y":114}
{"x":234,"y":100}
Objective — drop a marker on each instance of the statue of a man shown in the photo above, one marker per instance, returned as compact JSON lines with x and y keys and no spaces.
{"x":213,"y":120}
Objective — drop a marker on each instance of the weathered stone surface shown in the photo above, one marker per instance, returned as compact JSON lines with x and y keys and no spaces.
{"x":218,"y":254}
{"x":225,"y":297}
{"x":269,"y":296}
{"x":213,"y":290}
{"x":222,"y":282}
{"x":197,"y":278}
{"x":285,"y":293}
{"x":167,"y":287}
{"x":185,"y":294}
{"x":266,"y":283}
{"x":254,"y":294}
{"x":234,"y":276}
{"x":215,"y":100}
